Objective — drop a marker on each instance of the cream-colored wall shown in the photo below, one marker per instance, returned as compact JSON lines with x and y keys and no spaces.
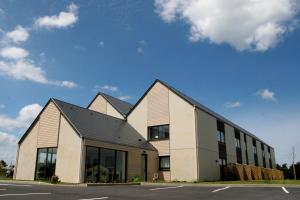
{"x":134,"y":159}
{"x":158,"y":105}
{"x":111,"y":111}
{"x":27,"y":155}
{"x":230,"y":144}
{"x":182,"y":139}
{"x":208,"y":150}
{"x":68,"y":154}
{"x":48,"y":127}
{"x":163,"y":147}
{"x":138,"y":118}
{"x":99,"y":105}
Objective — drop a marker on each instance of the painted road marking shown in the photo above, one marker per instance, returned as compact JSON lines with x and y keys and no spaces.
{"x":2,"y":189}
{"x":95,"y":198}
{"x":24,"y":194}
{"x":225,"y":188}
{"x":18,"y":185}
{"x":165,"y":188}
{"x":285,"y":190}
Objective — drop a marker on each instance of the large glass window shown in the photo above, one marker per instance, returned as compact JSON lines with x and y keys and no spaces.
{"x":221,"y":132}
{"x":92,"y":165}
{"x":46,"y":160}
{"x":105,"y":165}
{"x":158,"y":132}
{"x":164,"y":163}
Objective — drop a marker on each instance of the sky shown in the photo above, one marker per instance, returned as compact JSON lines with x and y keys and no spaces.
{"x":239,"y":58}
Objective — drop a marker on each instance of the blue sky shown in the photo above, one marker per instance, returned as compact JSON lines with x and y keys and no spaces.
{"x":242,"y":65}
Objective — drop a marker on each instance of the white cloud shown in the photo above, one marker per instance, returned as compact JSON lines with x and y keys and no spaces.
{"x":20,"y":34}
{"x":266,"y":94}
{"x":2,"y":106}
{"x":124,"y":98}
{"x":26,"y":70}
{"x":23,"y":70}
{"x":8,"y":144}
{"x":140,"y":50}
{"x":142,"y":42}
{"x":13,"y":53}
{"x":6,"y":138}
{"x":68,"y":84}
{"x":62,"y":20}
{"x":101,"y":43}
{"x":245,"y":25}
{"x":110,"y":88}
{"x":234,"y":104}
{"x":25,"y":116}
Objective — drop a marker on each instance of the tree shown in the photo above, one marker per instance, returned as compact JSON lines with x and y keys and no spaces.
{"x":2,"y":164}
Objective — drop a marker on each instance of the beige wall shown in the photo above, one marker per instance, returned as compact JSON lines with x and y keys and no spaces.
{"x":27,"y":155}
{"x":230,"y":144}
{"x":267,"y":156}
{"x":250,"y":150}
{"x":134,"y":158}
{"x":163,"y":147}
{"x":100,"y":104}
{"x":158,"y":105}
{"x":208,"y":152}
{"x":259,"y":153}
{"x":273,"y":158}
{"x":182,"y":139}
{"x":68,"y":163}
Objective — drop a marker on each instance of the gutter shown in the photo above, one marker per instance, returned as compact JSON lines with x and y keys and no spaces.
{"x":196,"y":136}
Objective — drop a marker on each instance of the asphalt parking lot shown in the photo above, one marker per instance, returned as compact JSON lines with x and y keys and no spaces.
{"x":132,"y":192}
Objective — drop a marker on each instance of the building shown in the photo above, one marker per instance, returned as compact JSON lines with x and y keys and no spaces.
{"x":166,"y":134}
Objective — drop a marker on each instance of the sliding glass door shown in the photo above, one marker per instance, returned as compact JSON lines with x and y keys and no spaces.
{"x":105,"y":165}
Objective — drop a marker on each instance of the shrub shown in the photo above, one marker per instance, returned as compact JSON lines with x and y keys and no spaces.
{"x":54,"y":179}
{"x":136,"y":179}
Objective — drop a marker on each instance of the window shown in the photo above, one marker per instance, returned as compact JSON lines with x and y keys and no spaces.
{"x":221,"y":132}
{"x":46,"y":161}
{"x":105,"y":165}
{"x":222,"y":162}
{"x":255,"y":152}
{"x":237,"y":139}
{"x":158,"y":132}
{"x":246,"y":151}
{"x":164,"y":163}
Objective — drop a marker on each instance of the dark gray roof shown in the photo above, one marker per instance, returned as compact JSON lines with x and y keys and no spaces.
{"x":97,"y":126}
{"x":122,"y":107}
{"x":209,"y":111}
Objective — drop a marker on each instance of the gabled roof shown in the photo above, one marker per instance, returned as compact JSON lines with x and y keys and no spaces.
{"x":199,"y":106}
{"x":89,"y":124}
{"x":122,"y":107}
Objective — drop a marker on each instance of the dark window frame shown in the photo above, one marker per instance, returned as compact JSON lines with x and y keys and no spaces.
{"x":46,"y":165}
{"x":161,"y":168}
{"x":115,"y":161}
{"x":158,"y":139}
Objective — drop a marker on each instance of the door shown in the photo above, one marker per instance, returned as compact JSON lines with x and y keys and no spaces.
{"x":144,"y":169}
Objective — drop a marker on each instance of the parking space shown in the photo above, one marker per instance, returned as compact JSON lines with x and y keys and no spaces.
{"x":17,"y":191}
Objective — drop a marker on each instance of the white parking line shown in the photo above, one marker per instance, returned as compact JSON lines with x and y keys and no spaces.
{"x":95,"y":198}
{"x":2,"y":189}
{"x":285,"y":190}
{"x":165,"y":188}
{"x":24,"y":194}
{"x":18,"y":185}
{"x":225,"y":188}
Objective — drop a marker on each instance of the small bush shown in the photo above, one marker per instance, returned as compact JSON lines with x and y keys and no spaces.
{"x":54,"y":179}
{"x":136,"y":179}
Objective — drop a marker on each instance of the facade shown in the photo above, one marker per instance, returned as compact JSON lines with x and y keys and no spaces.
{"x":165,"y":135}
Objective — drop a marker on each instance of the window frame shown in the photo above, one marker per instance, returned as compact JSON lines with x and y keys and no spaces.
{"x":46,"y":163}
{"x":162,"y":168}
{"x":158,"y":139}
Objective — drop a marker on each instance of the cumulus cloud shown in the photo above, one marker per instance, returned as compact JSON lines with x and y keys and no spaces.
{"x":2,"y":106}
{"x":234,"y":104}
{"x":19,"y":34}
{"x":62,"y":20}
{"x":266,"y":94}
{"x":13,"y":52}
{"x":124,"y":98}
{"x":25,"y":116}
{"x":255,"y":25}
{"x":68,"y":84}
{"x":6,"y":138}
{"x":109,"y":88}
{"x":140,"y":50}
{"x":26,"y":70}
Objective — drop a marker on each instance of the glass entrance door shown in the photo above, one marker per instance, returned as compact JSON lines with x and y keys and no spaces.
{"x":45,"y":165}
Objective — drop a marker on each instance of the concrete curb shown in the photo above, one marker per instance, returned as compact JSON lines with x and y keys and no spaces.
{"x":220,"y":185}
